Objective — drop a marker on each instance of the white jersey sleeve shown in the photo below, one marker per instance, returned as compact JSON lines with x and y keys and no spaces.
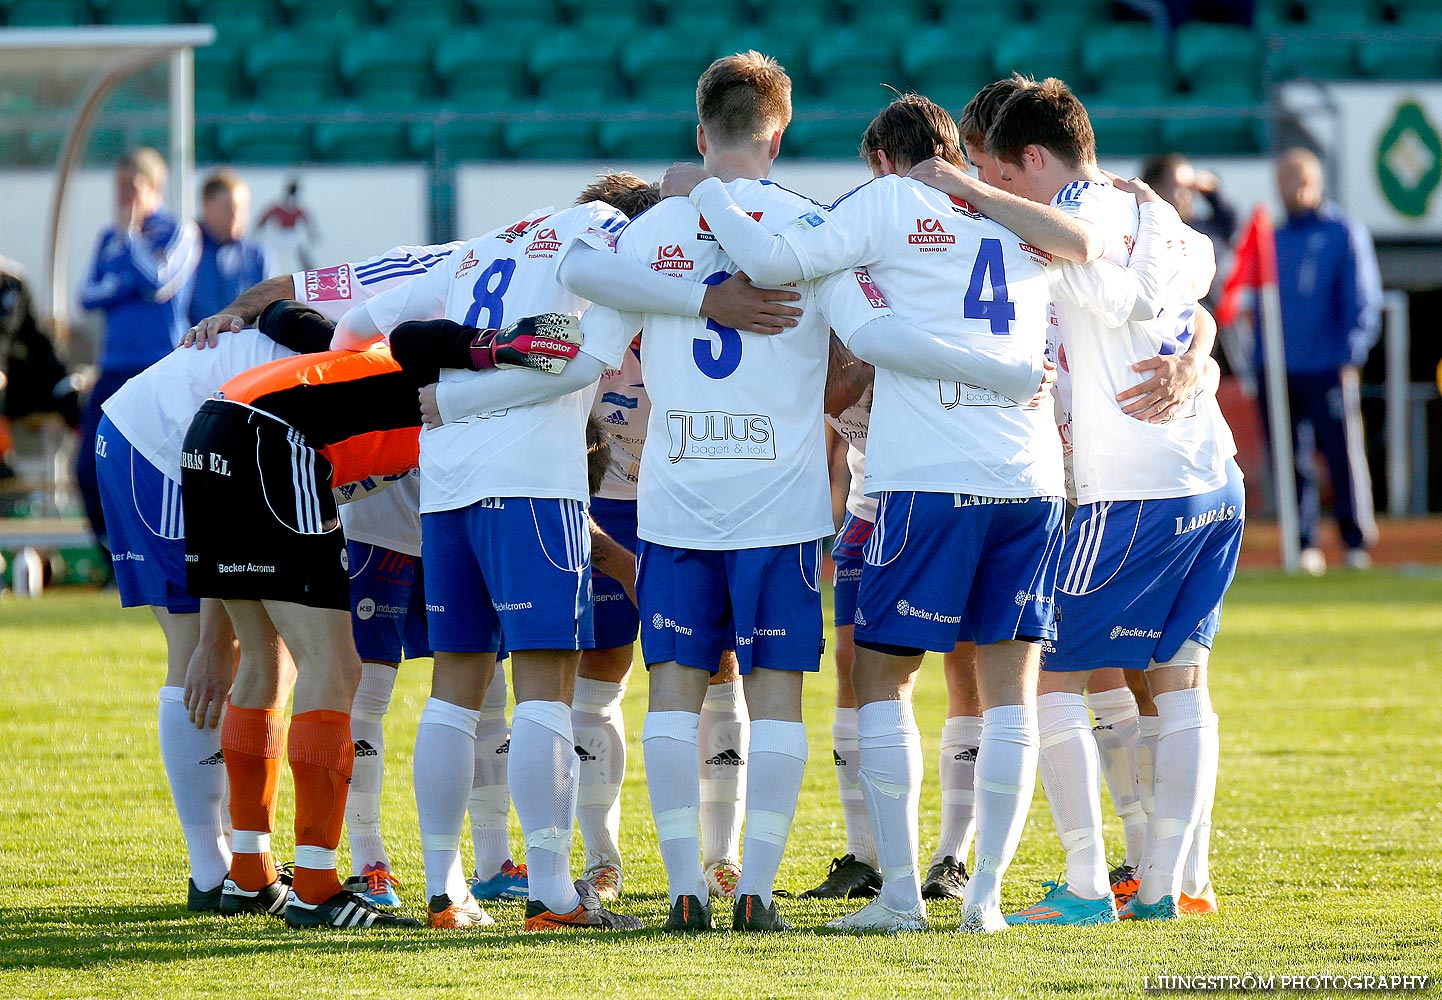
{"x":334,"y":291}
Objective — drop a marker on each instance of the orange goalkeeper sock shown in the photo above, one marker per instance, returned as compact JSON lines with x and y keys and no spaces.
{"x":321,"y":757}
{"x":252,"y":741}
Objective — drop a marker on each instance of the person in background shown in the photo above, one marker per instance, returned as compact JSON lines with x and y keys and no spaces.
{"x":230,"y":262}
{"x":1331,"y":294}
{"x":287,"y":231}
{"x":1180,"y":184}
{"x":143,"y":262}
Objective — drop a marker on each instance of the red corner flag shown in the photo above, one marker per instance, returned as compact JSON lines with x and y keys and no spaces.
{"x":1254,"y":265}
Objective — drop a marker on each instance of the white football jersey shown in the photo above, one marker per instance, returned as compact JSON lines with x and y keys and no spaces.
{"x":537,"y":450}
{"x":154,"y":409}
{"x":736,"y":454}
{"x":390,"y":518}
{"x":623,"y":409}
{"x":1116,"y":456}
{"x":897,"y":244}
{"x":851,"y":423}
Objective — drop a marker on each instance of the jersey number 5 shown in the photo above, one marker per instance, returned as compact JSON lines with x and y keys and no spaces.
{"x":490,"y":285}
{"x":989,"y":269}
{"x":712,"y":365}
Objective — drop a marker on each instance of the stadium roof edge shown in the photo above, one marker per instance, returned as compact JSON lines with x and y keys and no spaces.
{"x":108,"y":38}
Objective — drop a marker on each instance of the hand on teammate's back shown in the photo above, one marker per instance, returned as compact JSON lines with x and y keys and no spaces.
{"x":1043,"y":391}
{"x":681,"y":178}
{"x":430,"y":409}
{"x":1134,"y":186}
{"x":207,"y":332}
{"x":1174,"y":380}
{"x":740,"y":305}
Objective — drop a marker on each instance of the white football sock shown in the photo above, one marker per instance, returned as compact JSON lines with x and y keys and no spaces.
{"x":542,"y":775}
{"x":490,"y":801}
{"x":444,"y":759}
{"x":960,"y":737}
{"x":668,"y":742}
{"x":846,"y":755}
{"x":196,"y":772}
{"x":1068,"y":765}
{"x":778,"y":758}
{"x":891,"y":782}
{"x":1185,"y":767}
{"x":722,"y":739}
{"x":363,"y":801}
{"x":1149,"y":728}
{"x":601,"y":733}
{"x":1005,"y":779}
{"x":1197,"y":873}
{"x":1117,"y":730}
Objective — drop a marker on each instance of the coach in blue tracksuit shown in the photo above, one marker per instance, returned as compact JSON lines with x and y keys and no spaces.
{"x":1331,"y":318}
{"x":142,"y":265}
{"x":230,"y":261}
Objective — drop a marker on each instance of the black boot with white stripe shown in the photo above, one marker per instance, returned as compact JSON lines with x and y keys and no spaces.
{"x":344,"y":909}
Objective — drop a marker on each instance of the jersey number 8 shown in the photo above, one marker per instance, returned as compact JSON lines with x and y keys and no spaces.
{"x":490,"y":285}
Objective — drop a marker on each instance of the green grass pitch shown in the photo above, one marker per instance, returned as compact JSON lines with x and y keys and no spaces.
{"x":1325,"y":848}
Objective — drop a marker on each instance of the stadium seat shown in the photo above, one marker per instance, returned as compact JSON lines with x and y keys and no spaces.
{"x":1070,"y":15}
{"x":238,"y":22}
{"x":427,"y":19}
{"x":634,"y":139}
{"x":528,"y":18}
{"x":262,"y":142}
{"x":139,"y":11}
{"x":1418,"y":15}
{"x":338,"y":16}
{"x":533,"y":138}
{"x":218,"y":80}
{"x":1320,"y":57}
{"x":613,"y":23}
{"x":931,"y":67}
{"x":1123,"y":135}
{"x":1342,"y":15}
{"x":487,"y":84}
{"x":663,"y":66}
{"x":1037,"y":52}
{"x":1221,"y":63}
{"x":786,"y":49}
{"x":702,"y":22}
{"x":361,"y":142}
{"x":1413,"y":58}
{"x":849,"y":69}
{"x":573,"y":69}
{"x":1277,"y":15}
{"x":1213,"y":135}
{"x":205,"y":151}
{"x":1127,"y":61}
{"x":384,"y":70}
{"x":818,"y":16}
{"x":291,"y":71}
{"x":830,"y":138}
{"x":893,"y":21}
{"x":46,"y":14}
{"x":460,"y":141}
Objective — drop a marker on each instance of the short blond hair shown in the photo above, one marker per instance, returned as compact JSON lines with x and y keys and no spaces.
{"x":147,"y":163}
{"x":622,"y":190}
{"x":746,"y":96}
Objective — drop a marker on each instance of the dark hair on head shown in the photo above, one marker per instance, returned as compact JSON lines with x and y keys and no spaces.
{"x":980,"y":111}
{"x":912,"y":129}
{"x":623,"y":191}
{"x":1047,"y":114}
{"x":222,"y":181}
{"x":1156,"y":169}
{"x":744,"y":97}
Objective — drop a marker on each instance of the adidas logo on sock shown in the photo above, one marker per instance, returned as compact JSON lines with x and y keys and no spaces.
{"x":216,"y":758}
{"x":968,"y":755}
{"x":730,"y":757}
{"x":504,"y":747}
{"x":580,"y":752}
{"x":839,"y":760}
{"x":364,"y":749}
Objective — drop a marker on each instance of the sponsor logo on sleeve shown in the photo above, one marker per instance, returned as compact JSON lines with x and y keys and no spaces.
{"x":705,"y":230}
{"x":716,"y":434}
{"x":870,"y":289}
{"x":811,"y":220}
{"x":672,"y":258}
{"x":521,"y":228}
{"x":330,"y":284}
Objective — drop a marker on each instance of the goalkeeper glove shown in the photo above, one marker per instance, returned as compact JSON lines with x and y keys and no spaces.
{"x":543,"y":343}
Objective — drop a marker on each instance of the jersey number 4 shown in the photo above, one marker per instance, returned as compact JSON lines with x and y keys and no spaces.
{"x":703,"y":350}
{"x":490,"y":285}
{"x":989,"y":269}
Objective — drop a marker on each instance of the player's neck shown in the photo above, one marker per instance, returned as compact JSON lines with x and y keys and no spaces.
{"x":1084,"y":172}
{"x":729,"y":165}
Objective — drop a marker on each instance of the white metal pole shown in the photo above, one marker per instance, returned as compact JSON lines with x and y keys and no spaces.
{"x":1399,"y":392}
{"x":182,"y":130}
{"x":1279,"y":421}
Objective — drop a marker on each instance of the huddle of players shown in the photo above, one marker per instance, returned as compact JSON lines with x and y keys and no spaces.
{"x":731,"y":506}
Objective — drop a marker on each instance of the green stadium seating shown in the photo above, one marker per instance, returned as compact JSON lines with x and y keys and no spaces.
{"x":361,"y":142}
{"x":838,"y":137}
{"x":1276,"y":15}
{"x":532,"y":138}
{"x":205,"y":151}
{"x":1214,"y":135}
{"x":517,"y":17}
{"x":796,"y":17}
{"x":572,"y":69}
{"x":932,"y":67}
{"x":491,"y":83}
{"x":291,"y":72}
{"x":1070,"y":15}
{"x":422,"y":18}
{"x":218,"y":80}
{"x":1120,"y":135}
{"x":613,"y":23}
{"x":1415,"y":58}
{"x":140,"y":11}
{"x":238,"y":22}
{"x":1221,"y":63}
{"x":262,"y":142}
{"x":383,"y":70}
{"x":1038,"y":52}
{"x":460,"y":141}
{"x":891,"y":21}
{"x":663,"y":66}
{"x":1418,"y":15}
{"x":104,"y":145}
{"x":787,"y":49}
{"x":631,"y":140}
{"x":700,"y":23}
{"x":1127,"y":61}
{"x":46,"y":14}
{"x":849,"y":69}
{"x":1342,"y":15}
{"x":1320,"y":57}
{"x":317,"y":17}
